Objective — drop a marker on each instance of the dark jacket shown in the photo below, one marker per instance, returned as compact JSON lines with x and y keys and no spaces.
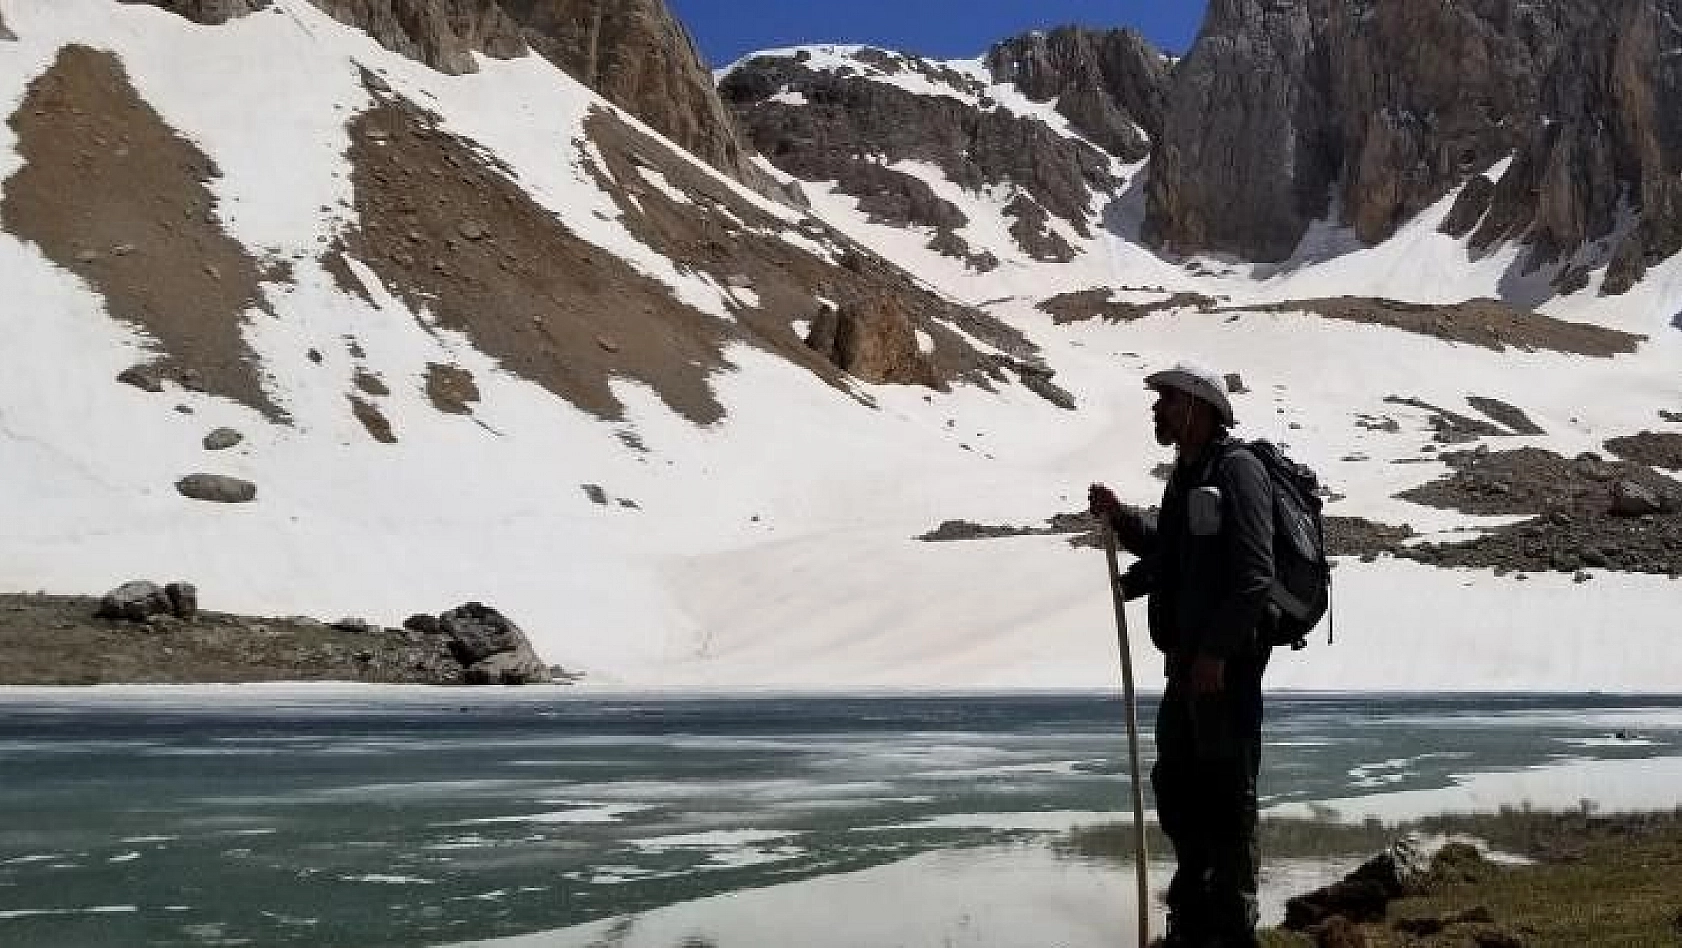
{"x":1208,"y":594}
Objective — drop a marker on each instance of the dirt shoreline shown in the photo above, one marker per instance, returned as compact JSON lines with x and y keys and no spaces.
{"x":56,"y":640}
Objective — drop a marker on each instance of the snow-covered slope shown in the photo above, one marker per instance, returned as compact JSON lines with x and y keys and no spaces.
{"x":774,"y":547}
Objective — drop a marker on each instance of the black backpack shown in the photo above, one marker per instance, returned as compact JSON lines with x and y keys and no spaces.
{"x":1302,"y":575}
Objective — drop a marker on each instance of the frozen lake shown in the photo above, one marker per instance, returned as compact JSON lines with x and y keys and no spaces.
{"x":407,"y":817}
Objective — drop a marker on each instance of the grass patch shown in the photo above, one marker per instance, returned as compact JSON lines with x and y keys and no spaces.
{"x":1597,"y":881}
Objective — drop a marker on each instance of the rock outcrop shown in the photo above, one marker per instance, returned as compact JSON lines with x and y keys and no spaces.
{"x":833,"y":125}
{"x":1109,"y":84}
{"x":444,"y":34}
{"x":135,"y":601}
{"x":1285,"y":111}
{"x":875,"y":340}
{"x":209,"y":12}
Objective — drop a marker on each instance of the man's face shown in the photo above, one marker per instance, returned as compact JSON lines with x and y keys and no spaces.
{"x":1168,"y":414}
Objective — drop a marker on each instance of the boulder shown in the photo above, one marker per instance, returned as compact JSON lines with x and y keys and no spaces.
{"x":477,"y":634}
{"x":422,"y":624}
{"x":872,"y":339}
{"x":1365,"y":894}
{"x":135,"y":601}
{"x":217,"y":488}
{"x":519,"y":667}
{"x":143,"y":377}
{"x":1631,"y":499}
{"x":183,"y":600}
{"x":221,"y":439}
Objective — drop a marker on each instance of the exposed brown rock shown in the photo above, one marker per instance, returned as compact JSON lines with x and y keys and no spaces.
{"x":1396,"y":103}
{"x":848,"y":118}
{"x":1488,"y":323}
{"x":217,"y":488}
{"x":1650,"y":448}
{"x":451,"y":388}
{"x":1031,"y":229}
{"x":5,"y":32}
{"x":372,"y":419}
{"x":1109,"y":84}
{"x":1354,"y":536}
{"x":102,"y":172}
{"x":948,"y":243}
{"x":1470,"y":205}
{"x":1239,"y":166}
{"x":343,"y":277}
{"x":1511,"y":416}
{"x":1097,"y":303}
{"x":208,"y":12}
{"x":444,"y":34}
{"x":873,"y":340}
{"x":370,"y":384}
{"x":1572,"y":504}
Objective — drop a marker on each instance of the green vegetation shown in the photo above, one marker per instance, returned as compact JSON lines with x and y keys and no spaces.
{"x":1595,"y":881}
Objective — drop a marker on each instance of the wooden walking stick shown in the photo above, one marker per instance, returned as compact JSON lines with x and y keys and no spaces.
{"x":1139,"y":851}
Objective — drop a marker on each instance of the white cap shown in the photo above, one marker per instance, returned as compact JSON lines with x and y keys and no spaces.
{"x":1198,"y":382}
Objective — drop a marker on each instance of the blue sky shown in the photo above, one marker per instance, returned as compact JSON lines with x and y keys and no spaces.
{"x":942,"y":29}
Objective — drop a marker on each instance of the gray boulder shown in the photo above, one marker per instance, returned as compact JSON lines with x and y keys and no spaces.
{"x":491,"y":649}
{"x":217,"y":488}
{"x":183,"y":600}
{"x":135,"y":601}
{"x":143,"y":377}
{"x":520,"y":667}
{"x":1630,"y":499}
{"x":221,"y":439}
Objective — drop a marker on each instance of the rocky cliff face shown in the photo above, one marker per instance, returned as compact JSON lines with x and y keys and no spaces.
{"x":640,"y":58}
{"x":1109,"y":84}
{"x":1387,"y":106}
{"x":843,"y":126}
{"x":444,"y":34}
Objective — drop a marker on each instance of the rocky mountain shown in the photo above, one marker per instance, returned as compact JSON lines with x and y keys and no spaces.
{"x":849,"y":119}
{"x":1550,"y":121}
{"x":1545,"y":125}
{"x":1109,"y":84}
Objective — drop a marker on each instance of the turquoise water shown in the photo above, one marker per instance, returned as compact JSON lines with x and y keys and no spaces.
{"x":429,"y":817}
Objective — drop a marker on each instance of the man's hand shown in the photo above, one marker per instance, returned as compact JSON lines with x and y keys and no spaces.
{"x":1102,"y":502}
{"x":1208,"y":675}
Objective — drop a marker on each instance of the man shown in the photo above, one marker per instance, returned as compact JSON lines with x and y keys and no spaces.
{"x":1206,"y":562}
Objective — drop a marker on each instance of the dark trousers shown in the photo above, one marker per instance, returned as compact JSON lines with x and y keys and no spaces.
{"x":1208,"y":756}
